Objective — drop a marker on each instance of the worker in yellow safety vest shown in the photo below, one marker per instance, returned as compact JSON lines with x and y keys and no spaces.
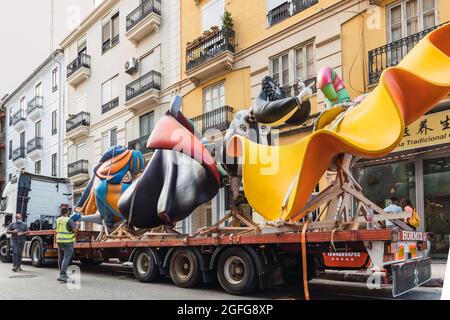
{"x":65,"y":238}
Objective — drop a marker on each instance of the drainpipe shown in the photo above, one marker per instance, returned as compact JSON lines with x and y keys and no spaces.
{"x":61,"y":113}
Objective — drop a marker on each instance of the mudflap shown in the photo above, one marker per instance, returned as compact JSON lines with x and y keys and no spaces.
{"x":409,"y":275}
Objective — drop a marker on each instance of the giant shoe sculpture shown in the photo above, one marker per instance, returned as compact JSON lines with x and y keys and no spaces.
{"x":278,"y":180}
{"x":180,"y":176}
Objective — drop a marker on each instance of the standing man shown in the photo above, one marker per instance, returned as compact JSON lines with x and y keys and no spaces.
{"x":18,"y":231}
{"x":393,"y":208}
{"x":65,"y":237}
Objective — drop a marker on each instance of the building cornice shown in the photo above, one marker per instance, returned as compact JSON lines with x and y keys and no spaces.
{"x":88,"y":21}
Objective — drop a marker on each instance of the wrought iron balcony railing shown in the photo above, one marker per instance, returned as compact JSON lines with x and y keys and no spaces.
{"x":150,"y":80}
{"x":219,"y":119}
{"x":78,"y":120}
{"x":18,"y":153}
{"x":78,"y":167}
{"x":34,"y":144}
{"x":18,"y":116}
{"x":210,"y":47}
{"x":83,"y":60}
{"x":36,"y":103}
{"x":392,"y":53}
{"x":110,"y":105}
{"x":142,"y":11}
{"x":140,"y":144}
{"x":288,"y":9}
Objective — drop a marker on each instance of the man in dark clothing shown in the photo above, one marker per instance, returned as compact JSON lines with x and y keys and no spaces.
{"x":18,"y":231}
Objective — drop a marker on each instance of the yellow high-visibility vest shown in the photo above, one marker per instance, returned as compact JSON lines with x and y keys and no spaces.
{"x":63,"y":235}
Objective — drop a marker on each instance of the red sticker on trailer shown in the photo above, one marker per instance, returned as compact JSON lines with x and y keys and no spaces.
{"x":345,"y":259}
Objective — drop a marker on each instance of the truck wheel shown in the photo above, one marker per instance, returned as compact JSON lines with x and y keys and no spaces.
{"x":236,"y":271}
{"x":5,"y":253}
{"x":185,"y":268}
{"x":144,"y":266}
{"x":37,"y":259}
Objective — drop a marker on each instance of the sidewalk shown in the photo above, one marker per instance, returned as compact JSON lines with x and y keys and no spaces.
{"x":437,"y":275}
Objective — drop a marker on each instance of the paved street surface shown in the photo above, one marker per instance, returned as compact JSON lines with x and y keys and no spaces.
{"x":117,"y":282}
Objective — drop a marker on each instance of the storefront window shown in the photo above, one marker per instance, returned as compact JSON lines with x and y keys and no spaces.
{"x":437,"y":203}
{"x":381,"y":183}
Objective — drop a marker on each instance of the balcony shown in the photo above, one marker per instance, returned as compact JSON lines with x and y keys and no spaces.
{"x":78,"y":171}
{"x":18,"y":157}
{"x":391,"y":54}
{"x":287,"y":10}
{"x":79,"y":70}
{"x":143,"y":20}
{"x":143,"y":92}
{"x":34,"y":148}
{"x":211,"y":55}
{"x":110,"y":105}
{"x":77,"y":126}
{"x":19,"y":120}
{"x":35,"y":108}
{"x":140,"y":144}
{"x":219,"y":119}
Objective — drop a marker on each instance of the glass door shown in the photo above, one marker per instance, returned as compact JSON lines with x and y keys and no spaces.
{"x":436,"y":177}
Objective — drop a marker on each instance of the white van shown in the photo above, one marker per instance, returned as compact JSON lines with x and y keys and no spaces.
{"x":38,"y":198}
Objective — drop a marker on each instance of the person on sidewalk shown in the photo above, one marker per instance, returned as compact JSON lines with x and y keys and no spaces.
{"x":65,"y":238}
{"x":392,"y":208}
{"x":18,"y":231}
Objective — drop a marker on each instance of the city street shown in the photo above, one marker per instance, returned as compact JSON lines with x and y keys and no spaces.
{"x":117,"y":282}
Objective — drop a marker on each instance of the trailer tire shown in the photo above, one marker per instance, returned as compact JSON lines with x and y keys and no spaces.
{"x":36,"y":254}
{"x":185,"y":268}
{"x":5,"y":252}
{"x":145,"y":268}
{"x":236,"y":271}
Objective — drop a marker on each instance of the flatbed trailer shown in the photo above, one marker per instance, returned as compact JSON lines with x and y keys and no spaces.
{"x":244,"y":263}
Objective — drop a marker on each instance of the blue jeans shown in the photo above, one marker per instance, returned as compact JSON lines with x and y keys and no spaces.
{"x":65,"y":253}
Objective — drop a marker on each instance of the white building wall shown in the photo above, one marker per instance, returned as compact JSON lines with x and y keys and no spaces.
{"x":164,"y":43}
{"x":52,"y":100}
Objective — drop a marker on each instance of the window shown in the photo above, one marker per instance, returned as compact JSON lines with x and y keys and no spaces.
{"x":409,"y":17}
{"x":146,"y":123}
{"x":82,"y":46}
{"x":212,"y":14}
{"x":110,"y":94}
{"x":10,"y":150}
{"x":214,"y":97}
{"x":55,"y":79}
{"x":9,"y":177}
{"x":22,"y":139}
{"x":38,"y":90}
{"x":286,"y":71}
{"x":37,"y":129}
{"x":109,"y":139}
{"x":304,"y":61}
{"x":37,"y":167}
{"x":22,"y":105}
{"x":10,"y":116}
{"x":110,"y":32}
{"x":54,"y":164}
{"x":54,"y":122}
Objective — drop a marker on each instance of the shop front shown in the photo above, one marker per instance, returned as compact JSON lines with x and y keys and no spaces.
{"x":419,"y":170}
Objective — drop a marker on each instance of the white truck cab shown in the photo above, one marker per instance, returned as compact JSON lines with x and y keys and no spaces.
{"x":38,"y":198}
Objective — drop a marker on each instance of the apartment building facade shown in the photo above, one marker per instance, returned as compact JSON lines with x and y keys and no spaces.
{"x":419,"y":168}
{"x":223,"y":63}
{"x":122,"y":71}
{"x":34,"y":124}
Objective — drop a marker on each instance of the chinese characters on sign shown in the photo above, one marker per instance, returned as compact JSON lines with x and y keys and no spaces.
{"x":429,"y":130}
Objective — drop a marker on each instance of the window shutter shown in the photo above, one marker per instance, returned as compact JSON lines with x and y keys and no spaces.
{"x":106,"y":31}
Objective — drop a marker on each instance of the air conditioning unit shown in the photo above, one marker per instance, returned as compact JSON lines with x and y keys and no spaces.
{"x":131,"y":66}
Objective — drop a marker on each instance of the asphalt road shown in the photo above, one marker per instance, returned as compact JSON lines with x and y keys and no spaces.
{"x":117,"y":282}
